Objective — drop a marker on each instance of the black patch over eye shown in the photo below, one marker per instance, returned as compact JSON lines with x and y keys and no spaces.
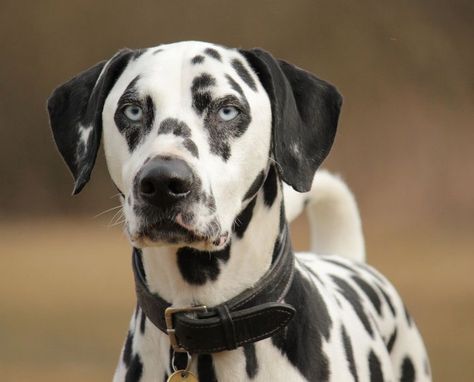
{"x":221,"y":132}
{"x":131,"y":105}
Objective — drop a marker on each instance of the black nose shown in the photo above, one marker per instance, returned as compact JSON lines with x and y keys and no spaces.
{"x":164,"y":180}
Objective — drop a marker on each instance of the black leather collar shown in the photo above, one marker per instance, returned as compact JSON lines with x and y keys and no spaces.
{"x":253,"y":315}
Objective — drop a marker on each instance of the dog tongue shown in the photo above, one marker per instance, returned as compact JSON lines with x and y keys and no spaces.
{"x":221,"y":240}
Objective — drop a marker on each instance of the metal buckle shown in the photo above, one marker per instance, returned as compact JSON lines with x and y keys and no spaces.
{"x":169,"y":312}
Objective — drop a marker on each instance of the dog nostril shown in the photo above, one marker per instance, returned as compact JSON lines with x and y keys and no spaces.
{"x":147,"y":187}
{"x":178,"y":186}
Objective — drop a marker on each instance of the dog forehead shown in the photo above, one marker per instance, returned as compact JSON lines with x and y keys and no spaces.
{"x":176,"y":68}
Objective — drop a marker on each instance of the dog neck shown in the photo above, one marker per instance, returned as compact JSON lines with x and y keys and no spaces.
{"x":186,"y":277}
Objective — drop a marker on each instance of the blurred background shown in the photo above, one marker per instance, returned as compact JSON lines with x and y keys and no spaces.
{"x":404,"y":145}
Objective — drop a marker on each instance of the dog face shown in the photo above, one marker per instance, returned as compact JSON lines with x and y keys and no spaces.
{"x":189,"y":130}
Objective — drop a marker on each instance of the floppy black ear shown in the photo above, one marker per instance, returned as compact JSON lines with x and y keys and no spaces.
{"x":305,"y":111}
{"x":75,"y":114}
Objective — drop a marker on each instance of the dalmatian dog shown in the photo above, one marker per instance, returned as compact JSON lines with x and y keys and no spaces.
{"x":211,"y":150}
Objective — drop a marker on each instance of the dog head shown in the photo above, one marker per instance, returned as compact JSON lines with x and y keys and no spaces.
{"x":189,"y":132}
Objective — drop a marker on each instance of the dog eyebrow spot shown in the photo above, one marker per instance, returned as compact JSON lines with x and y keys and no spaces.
{"x":201,"y":98}
{"x":243,"y":73}
{"x":157,"y":51}
{"x":234,"y":85}
{"x":174,"y":126}
{"x":199,"y":59}
{"x":213,"y":53}
{"x":191,"y":147}
{"x":205,"y":80}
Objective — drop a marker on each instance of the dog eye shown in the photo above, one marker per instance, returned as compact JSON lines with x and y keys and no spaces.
{"x":133,"y":112}
{"x":228,"y":113}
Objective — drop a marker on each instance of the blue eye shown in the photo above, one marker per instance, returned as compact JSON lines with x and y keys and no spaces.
{"x":227,"y":113}
{"x":133,"y":113}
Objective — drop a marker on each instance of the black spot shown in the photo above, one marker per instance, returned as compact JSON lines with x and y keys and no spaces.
{"x":243,"y":219}
{"x":243,"y":73}
{"x":251,"y":365}
{"x":391,"y":341}
{"x":353,"y":298}
{"x":205,"y":368}
{"x":142,"y":323}
{"x":135,"y":371}
{"x":127,"y":349}
{"x":203,"y":81}
{"x":408,"y":370}
{"x":202,"y":97}
{"x":234,"y":85}
{"x":375,"y":368}
{"x":370,"y":292}
{"x":270,"y":187}
{"x":255,"y":186}
{"x":199,"y":59}
{"x":157,"y":51}
{"x":191,"y":147}
{"x":198,"y":267}
{"x":174,"y":126}
{"x":213,"y":53}
{"x":388,"y":300}
{"x":301,"y":342}
{"x":349,"y":354}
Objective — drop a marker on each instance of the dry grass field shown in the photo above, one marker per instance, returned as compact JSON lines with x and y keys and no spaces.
{"x":66,"y":295}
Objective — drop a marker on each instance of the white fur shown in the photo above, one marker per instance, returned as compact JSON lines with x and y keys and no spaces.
{"x":333,"y":215}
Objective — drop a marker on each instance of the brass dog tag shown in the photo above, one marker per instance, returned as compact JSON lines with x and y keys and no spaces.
{"x":182,"y":375}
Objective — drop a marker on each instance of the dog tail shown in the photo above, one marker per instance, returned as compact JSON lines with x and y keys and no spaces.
{"x":333,"y":215}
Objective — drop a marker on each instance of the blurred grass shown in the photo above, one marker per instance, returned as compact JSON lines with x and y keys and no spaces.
{"x":67,"y":295}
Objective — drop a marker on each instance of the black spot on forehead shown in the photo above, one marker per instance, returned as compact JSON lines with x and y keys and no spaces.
{"x":204,"y":80}
{"x":243,"y":73}
{"x":234,"y":85}
{"x":200,"y":93}
{"x":157,"y":51}
{"x":174,"y":126}
{"x":191,"y":147}
{"x":213,"y":53}
{"x":199,"y":59}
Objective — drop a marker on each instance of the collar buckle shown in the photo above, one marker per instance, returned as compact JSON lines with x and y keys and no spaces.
{"x":169,"y":312}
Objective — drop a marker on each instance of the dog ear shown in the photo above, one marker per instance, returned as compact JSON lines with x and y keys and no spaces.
{"x":305,"y":111}
{"x":75,"y":114}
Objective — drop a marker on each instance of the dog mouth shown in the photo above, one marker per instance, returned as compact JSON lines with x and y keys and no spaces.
{"x":177,"y":231}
